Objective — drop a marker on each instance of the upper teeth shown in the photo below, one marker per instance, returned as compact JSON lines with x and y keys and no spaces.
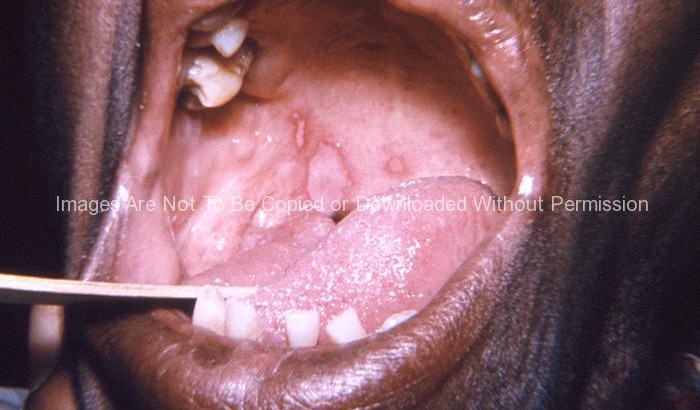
{"x":213,"y":79}
{"x":216,"y":19}
{"x":346,"y":327}
{"x":226,"y":39}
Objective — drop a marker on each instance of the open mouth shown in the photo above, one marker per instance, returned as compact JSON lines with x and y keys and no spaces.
{"x":336,"y":161}
{"x":314,"y":171}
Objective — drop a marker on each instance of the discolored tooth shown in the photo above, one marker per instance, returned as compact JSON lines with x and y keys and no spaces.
{"x":218,"y":17}
{"x":346,"y":327}
{"x":302,"y":327}
{"x":212,"y":80}
{"x":226,"y":39}
{"x":396,"y":319}
{"x":209,"y":310}
{"x":242,"y":320}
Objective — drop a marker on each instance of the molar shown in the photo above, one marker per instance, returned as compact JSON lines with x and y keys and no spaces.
{"x":211,"y":80}
{"x":226,"y":39}
{"x":218,"y":17}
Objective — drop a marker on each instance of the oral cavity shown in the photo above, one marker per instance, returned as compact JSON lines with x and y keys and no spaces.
{"x":375,"y":114}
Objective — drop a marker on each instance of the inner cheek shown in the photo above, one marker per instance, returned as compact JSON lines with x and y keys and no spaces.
{"x":271,"y":190}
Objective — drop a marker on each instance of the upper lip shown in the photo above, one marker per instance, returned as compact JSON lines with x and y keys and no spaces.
{"x":407,"y":364}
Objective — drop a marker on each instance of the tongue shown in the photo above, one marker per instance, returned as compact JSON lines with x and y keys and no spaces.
{"x":389,"y":255}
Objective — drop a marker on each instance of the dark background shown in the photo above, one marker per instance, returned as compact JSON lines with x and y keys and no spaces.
{"x":31,"y":231}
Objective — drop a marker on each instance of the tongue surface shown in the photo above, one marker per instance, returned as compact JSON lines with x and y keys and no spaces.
{"x":390,"y":254}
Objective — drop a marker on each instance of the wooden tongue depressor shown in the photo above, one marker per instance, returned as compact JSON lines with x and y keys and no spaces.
{"x":21,"y":289}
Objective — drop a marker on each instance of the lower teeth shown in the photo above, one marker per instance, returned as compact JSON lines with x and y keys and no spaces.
{"x":346,"y":327}
{"x":396,"y":319}
{"x":302,"y":327}
{"x":209,"y":311}
{"x":242,"y":320}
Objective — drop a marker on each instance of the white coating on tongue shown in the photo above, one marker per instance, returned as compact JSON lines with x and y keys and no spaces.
{"x":389,"y":255}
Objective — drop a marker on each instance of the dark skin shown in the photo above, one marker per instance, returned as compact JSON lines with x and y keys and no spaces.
{"x":579,"y":310}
